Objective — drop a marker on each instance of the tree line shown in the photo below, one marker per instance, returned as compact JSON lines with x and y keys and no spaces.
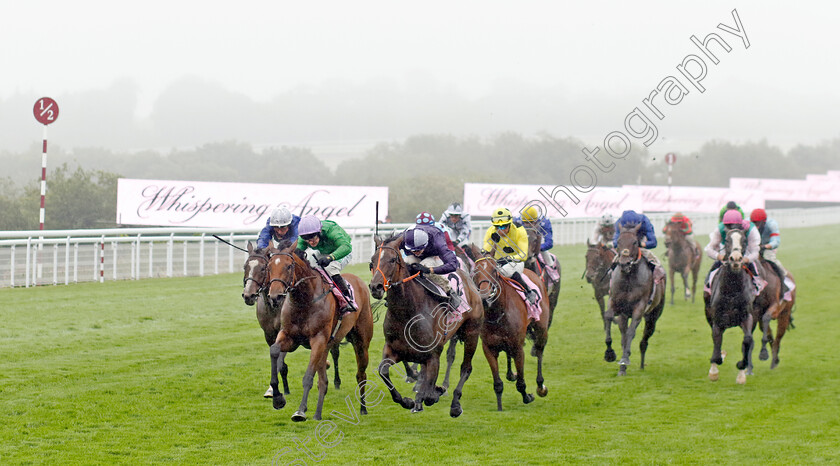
{"x":423,"y":172}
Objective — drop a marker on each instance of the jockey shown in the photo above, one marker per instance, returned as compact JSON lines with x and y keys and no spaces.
{"x":327,"y":245}
{"x":531,"y":219}
{"x":768,"y":229}
{"x":281,"y":225}
{"x":731,"y":205}
{"x":510,"y":245}
{"x":425,"y":251}
{"x":458,"y":223}
{"x":684,"y":224}
{"x":604,"y":230}
{"x":732,"y":220}
{"x":425,"y":218}
{"x":647,"y":240}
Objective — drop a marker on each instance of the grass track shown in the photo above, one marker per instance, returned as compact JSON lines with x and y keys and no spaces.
{"x":173,"y":370}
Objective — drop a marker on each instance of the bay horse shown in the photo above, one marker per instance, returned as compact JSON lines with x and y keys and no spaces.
{"x":598,"y":260}
{"x":633,"y":296}
{"x":255,"y":292}
{"x":533,"y":263}
{"x":684,"y":256}
{"x":308,"y":317}
{"x":416,"y":327}
{"x":770,"y":307}
{"x":730,"y":304}
{"x":506,"y":325}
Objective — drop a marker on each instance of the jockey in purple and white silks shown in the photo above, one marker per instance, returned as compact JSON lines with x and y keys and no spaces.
{"x":425,"y":251}
{"x":604,"y":231}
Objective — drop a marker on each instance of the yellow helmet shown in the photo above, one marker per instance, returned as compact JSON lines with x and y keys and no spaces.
{"x":501,"y":216}
{"x":530,"y":214}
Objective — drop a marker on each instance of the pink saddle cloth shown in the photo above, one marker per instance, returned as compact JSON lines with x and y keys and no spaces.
{"x":534,"y":310}
{"x":464,"y":306}
{"x":337,"y":293}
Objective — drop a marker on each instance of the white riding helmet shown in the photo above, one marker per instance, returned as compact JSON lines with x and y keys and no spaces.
{"x":454,"y":209}
{"x":607,"y":219}
{"x":280,"y":217}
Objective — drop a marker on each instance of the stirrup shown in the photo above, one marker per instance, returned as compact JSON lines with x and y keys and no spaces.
{"x":531,"y":296}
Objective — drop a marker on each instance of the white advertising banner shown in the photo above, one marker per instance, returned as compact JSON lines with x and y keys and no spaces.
{"x":552,"y":201}
{"x":791,"y":190}
{"x":695,"y":199}
{"x":237,"y":205}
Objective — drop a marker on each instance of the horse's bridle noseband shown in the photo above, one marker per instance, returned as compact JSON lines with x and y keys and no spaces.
{"x":387,"y":284}
{"x":494,"y":286}
{"x":260,"y":286}
{"x":288,"y":288}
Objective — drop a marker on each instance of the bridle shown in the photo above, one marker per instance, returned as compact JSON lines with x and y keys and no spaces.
{"x":261,"y":287}
{"x":288,"y":288}
{"x":494,"y":285}
{"x":387,"y":284}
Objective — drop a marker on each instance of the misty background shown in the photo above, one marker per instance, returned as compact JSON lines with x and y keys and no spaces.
{"x":417,"y":98}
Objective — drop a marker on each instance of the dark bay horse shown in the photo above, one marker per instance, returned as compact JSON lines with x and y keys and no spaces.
{"x":598,"y":261}
{"x":730,"y":304}
{"x":770,"y":306}
{"x":684,"y":256}
{"x":416,"y":327}
{"x":506,"y":325}
{"x":532,"y":263}
{"x":308,"y":316}
{"x":633,"y":296}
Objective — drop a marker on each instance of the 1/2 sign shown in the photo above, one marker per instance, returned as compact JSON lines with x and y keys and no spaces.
{"x":670,"y":158}
{"x":46,"y":110}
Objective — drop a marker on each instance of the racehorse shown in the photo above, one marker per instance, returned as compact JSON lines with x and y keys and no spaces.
{"x":683,"y":257}
{"x":254,"y":292}
{"x":308,"y":317}
{"x":506,"y":325}
{"x":730,"y":304}
{"x":633,"y":296}
{"x":770,"y":306}
{"x":598,"y":260}
{"x":533,"y":263}
{"x":417,"y":326}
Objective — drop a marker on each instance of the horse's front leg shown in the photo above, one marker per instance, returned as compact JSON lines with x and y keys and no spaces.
{"x":684,"y":274}
{"x":450,"y":359}
{"x":428,"y":393}
{"x":519,"y":359}
{"x":317,"y":359}
{"x":510,"y":375}
{"x":278,"y":352}
{"x":470,"y":345}
{"x":671,"y":279}
{"x":609,"y":354}
{"x":766,"y":334}
{"x":389,"y":358}
{"x":623,"y":326}
{"x":746,"y":349}
{"x":716,"y":359}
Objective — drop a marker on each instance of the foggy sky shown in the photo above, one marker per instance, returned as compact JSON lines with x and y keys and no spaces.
{"x":160,"y":74}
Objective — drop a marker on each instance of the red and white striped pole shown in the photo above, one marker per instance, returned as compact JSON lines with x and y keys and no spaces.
{"x":43,"y":181}
{"x":102,"y":261}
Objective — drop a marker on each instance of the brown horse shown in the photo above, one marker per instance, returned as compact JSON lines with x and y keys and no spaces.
{"x":308,"y":317}
{"x":598,"y":261}
{"x":254,"y":292}
{"x":730,"y":304}
{"x":507,"y":324}
{"x":770,"y":306}
{"x":633,"y":296}
{"x":533,"y":263}
{"x":416,"y":327}
{"x":683,"y":256}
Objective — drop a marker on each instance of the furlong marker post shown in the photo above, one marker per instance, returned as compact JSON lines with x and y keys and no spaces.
{"x":46,"y":112}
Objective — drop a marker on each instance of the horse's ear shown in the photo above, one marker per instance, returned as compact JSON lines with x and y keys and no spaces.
{"x":250,"y":247}
{"x":588,"y":244}
{"x":288,"y":246}
{"x":377,"y":240}
{"x":636,"y":228}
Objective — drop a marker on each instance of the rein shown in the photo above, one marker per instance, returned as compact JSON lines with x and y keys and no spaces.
{"x":494,"y":286}
{"x":291,"y":288}
{"x":385,"y":282}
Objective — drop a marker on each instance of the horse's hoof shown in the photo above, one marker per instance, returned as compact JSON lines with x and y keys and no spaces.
{"x":763,"y":355}
{"x":455,"y":411}
{"x":363,"y":411}
{"x":774,"y":364}
{"x":417,"y":409}
{"x":407,"y":403}
{"x":511,"y":377}
{"x":337,"y":384}
{"x":542,"y":391}
{"x":741,"y":379}
{"x":622,"y":369}
{"x":609,"y":355}
{"x":269,"y":393}
{"x":278,"y":402}
{"x":440,"y":391}
{"x":714,"y":373}
{"x":528,"y":398}
{"x":299,"y":416}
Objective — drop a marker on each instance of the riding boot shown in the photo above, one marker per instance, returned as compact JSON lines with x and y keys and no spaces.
{"x":342,"y":286}
{"x":454,"y":299}
{"x":715,"y":266}
{"x":529,"y":293}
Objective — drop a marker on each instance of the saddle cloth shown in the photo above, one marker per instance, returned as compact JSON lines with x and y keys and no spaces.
{"x":759,"y":282}
{"x":337,"y":293}
{"x":534,"y":310}
{"x":436,"y":291}
{"x":553,"y":273}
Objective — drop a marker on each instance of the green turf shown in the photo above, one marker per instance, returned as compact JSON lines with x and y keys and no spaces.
{"x":173,"y":370}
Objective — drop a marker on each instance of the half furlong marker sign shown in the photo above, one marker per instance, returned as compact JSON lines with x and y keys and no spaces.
{"x":237,"y":205}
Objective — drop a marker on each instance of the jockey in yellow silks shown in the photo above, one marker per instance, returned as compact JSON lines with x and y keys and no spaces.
{"x":509,"y":244}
